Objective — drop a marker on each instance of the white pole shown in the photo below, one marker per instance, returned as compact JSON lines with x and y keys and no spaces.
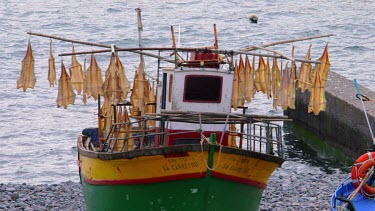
{"x":363,"y":105}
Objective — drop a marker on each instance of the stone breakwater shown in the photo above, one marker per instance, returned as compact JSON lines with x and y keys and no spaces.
{"x":288,"y":189}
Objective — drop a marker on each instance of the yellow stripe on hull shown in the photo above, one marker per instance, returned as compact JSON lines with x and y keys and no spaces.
{"x":244,"y":167}
{"x":141,"y":167}
{"x":230,"y":166}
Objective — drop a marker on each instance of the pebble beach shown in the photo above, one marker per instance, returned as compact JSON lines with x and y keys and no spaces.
{"x":288,"y":189}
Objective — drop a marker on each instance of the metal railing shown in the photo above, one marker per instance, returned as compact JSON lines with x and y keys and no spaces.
{"x":260,"y":136}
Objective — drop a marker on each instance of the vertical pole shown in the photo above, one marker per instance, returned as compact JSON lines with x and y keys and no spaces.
{"x":242,"y":128}
{"x":99,"y":124}
{"x":173,"y":39}
{"x":140,"y":27}
{"x":216,"y":40}
{"x":163,"y":106}
{"x":364,"y":109}
{"x":211,"y":150}
{"x":269,"y":148}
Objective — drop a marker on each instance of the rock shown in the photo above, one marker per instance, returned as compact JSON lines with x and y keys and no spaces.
{"x":14,"y":196}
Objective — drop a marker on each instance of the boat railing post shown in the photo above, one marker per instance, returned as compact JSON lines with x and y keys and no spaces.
{"x":269,"y":148}
{"x":248,"y":137}
{"x":280,"y":141}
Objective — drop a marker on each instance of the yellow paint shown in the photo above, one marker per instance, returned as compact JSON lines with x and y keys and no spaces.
{"x":244,"y":167}
{"x":147,"y":167}
{"x":142,"y":167}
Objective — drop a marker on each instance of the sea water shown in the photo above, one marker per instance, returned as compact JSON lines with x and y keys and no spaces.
{"x":38,"y":140}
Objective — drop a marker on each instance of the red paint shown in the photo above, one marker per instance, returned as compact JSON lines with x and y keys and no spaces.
{"x":211,"y":59}
{"x":238,"y":179}
{"x":145,"y":180}
{"x":194,"y":135}
{"x":176,"y":155}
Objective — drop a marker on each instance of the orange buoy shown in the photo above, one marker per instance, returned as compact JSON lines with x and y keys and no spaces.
{"x":359,"y":170}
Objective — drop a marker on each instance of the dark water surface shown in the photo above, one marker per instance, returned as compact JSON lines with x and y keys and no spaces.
{"x":38,"y":139}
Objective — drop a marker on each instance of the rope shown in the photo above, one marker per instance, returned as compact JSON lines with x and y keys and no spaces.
{"x":203,"y":138}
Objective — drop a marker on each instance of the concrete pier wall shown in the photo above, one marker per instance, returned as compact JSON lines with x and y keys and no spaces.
{"x":343,"y":124}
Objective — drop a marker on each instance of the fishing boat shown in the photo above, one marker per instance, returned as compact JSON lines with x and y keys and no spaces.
{"x":186,"y":142}
{"x":357,"y":192}
{"x":189,"y":160}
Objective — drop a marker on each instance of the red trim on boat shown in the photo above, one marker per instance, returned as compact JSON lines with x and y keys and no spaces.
{"x":238,"y":179}
{"x":145,"y":180}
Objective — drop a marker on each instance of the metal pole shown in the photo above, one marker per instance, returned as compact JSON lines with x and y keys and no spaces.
{"x":364,"y":109}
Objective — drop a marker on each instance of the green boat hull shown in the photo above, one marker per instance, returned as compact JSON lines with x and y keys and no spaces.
{"x":184,"y":195}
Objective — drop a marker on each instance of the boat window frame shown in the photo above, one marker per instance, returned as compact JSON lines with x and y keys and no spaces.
{"x":202,"y":101}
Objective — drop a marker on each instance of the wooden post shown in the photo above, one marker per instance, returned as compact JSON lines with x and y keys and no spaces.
{"x":216,"y":40}
{"x":173,"y":39}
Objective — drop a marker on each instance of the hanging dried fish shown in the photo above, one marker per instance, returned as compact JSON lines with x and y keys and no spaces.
{"x":94,"y":79}
{"x":106,"y":111}
{"x":27,"y":76}
{"x":124,"y":82}
{"x":235,"y":88}
{"x":283,"y":94}
{"x":51,"y":67}
{"x":254,"y":77}
{"x":139,"y":92}
{"x":249,"y":80}
{"x":84,"y":94}
{"x":151,"y":107}
{"x":319,"y":77}
{"x":260,"y":76}
{"x":241,"y":83}
{"x":65,"y":94}
{"x":111,"y":85}
{"x":303,"y":81}
{"x":232,"y":136}
{"x":76,"y":74}
{"x":292,"y":84}
{"x":276,"y":83}
{"x":268,"y":79}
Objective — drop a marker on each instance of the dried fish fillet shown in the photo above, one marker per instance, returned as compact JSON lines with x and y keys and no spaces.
{"x":276,"y":83}
{"x":241,"y":83}
{"x":283,"y":94}
{"x":84,"y":93}
{"x":292,"y":84}
{"x":268,"y":79}
{"x":124,"y":82}
{"x":76,"y":74}
{"x":111,"y":85}
{"x":319,"y":78}
{"x":51,"y":67}
{"x":94,"y":79}
{"x":151,"y":107}
{"x":27,"y":77}
{"x":249,"y":80}
{"x":260,"y":76}
{"x":140,"y":90}
{"x":235,"y":88}
{"x":65,"y":94}
{"x":303,"y":81}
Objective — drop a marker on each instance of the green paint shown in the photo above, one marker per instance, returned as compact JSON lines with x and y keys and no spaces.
{"x":203,"y":194}
{"x":305,"y":145}
{"x":210,"y":160}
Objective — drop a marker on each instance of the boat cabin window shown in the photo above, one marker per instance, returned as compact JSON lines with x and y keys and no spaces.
{"x":203,"y":88}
